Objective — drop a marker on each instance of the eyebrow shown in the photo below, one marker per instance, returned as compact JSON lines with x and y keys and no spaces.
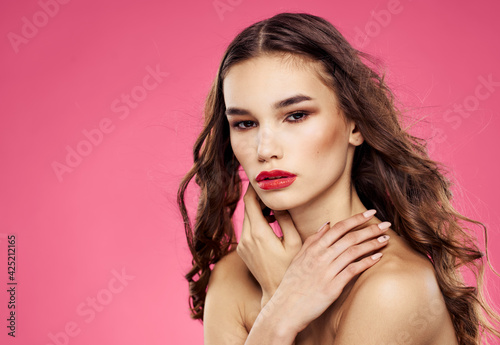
{"x":278,"y":105}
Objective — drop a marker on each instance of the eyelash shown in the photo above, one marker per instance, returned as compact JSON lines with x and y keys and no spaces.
{"x":236,"y":125}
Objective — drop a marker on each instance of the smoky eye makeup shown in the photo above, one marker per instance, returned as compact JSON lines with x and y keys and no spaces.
{"x":293,"y":117}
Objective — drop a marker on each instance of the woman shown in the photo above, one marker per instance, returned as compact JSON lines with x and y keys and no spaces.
{"x":317,"y":133}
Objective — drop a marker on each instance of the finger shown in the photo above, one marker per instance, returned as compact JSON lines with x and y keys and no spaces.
{"x":355,"y":237}
{"x":258,"y":224}
{"x":266,"y":211}
{"x":247,"y":232}
{"x":290,"y":234}
{"x":251,"y":201}
{"x":353,"y":269}
{"x":341,"y":228}
{"x":245,"y":229}
{"x":252,"y":206}
{"x":353,"y":253}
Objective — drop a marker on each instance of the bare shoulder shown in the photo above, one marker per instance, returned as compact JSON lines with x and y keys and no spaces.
{"x":224,"y":321}
{"x":397,"y":301}
{"x":231,"y":273}
{"x":230,"y":266}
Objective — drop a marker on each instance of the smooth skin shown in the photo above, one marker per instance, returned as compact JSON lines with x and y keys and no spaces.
{"x":312,"y":287}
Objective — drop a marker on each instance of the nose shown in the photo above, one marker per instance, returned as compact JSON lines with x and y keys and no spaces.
{"x":268,"y":146}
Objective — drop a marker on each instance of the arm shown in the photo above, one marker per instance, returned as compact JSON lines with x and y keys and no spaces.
{"x":223,"y":313}
{"x":310,"y":284}
{"x":271,"y":328}
{"x":303,"y":279}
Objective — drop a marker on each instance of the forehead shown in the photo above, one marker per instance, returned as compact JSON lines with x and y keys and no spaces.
{"x":271,"y":77}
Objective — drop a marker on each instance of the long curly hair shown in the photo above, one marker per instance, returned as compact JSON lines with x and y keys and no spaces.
{"x":391,"y":171}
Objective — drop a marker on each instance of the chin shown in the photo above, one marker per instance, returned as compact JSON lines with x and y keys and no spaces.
{"x":278,"y":203}
{"x":279,"y":208}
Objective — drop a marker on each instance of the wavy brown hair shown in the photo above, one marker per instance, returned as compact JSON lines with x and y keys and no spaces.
{"x":391,"y":171}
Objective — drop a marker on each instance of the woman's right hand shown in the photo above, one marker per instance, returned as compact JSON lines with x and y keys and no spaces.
{"x":325,"y":264}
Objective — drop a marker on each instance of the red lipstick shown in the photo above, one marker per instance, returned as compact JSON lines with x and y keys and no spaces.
{"x":275,"y":179}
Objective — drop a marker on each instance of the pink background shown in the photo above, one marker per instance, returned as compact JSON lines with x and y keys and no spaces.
{"x":64,"y":75}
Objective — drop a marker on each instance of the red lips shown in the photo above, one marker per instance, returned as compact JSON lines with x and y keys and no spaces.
{"x":275,"y":179}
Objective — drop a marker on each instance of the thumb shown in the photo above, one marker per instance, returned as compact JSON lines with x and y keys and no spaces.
{"x":291,"y":237}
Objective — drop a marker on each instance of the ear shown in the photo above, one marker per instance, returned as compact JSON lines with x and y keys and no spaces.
{"x":355,"y":136}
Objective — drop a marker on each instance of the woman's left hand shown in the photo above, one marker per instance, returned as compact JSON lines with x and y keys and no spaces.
{"x":265,"y":254}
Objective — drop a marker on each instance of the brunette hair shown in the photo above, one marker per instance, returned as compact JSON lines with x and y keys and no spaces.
{"x":391,"y":170}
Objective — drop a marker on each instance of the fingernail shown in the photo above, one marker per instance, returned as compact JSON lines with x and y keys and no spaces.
{"x":323,"y":226}
{"x":384,"y":225}
{"x":369,"y":213}
{"x":376,"y":256}
{"x":383,"y":239}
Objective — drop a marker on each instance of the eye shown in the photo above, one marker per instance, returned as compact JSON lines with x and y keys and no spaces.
{"x":297,"y":117}
{"x":294,"y":117}
{"x":244,"y":124}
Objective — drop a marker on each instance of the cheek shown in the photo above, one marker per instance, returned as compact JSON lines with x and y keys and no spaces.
{"x":241,"y":146}
{"x":326,"y":142}
{"x":327,"y":156}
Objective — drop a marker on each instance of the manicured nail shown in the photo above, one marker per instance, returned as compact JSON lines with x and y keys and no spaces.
{"x":384,"y":225}
{"x":323,"y":226}
{"x":369,"y":213}
{"x":383,"y":239}
{"x":376,"y":256}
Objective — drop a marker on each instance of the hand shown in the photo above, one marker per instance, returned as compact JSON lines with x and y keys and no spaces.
{"x":326,"y":263}
{"x":266,"y":255}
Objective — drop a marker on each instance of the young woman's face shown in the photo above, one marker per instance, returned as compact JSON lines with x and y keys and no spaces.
{"x":282,"y":117}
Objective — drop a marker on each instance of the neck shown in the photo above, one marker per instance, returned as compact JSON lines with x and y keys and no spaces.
{"x":339,"y":203}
